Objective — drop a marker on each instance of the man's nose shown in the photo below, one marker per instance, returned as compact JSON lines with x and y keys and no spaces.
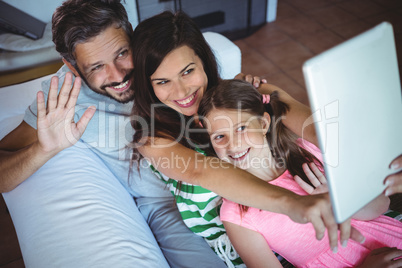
{"x":116,"y":73}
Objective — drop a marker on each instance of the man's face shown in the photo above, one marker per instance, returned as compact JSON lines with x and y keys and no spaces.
{"x":105,"y":64}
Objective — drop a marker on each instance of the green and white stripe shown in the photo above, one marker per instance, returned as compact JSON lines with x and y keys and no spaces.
{"x":199,"y":209}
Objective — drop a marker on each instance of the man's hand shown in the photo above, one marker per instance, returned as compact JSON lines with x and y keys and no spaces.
{"x":254,"y":80}
{"x":56,"y":127}
{"x":394,"y":182}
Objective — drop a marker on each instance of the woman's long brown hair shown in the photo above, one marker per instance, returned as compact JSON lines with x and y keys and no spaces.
{"x":153,"y":39}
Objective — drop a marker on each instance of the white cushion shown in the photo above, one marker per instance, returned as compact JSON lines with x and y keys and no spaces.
{"x":14,"y":100}
{"x":73,"y":212}
{"x":227,"y":54}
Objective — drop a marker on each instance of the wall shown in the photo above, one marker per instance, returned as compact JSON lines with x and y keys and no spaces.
{"x":43,"y":9}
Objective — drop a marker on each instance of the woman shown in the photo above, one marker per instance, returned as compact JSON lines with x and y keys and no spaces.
{"x":174,"y":66}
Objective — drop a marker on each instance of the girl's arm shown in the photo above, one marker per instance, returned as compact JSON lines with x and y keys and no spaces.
{"x":251,"y":246}
{"x":298,"y":119}
{"x":180,"y":163}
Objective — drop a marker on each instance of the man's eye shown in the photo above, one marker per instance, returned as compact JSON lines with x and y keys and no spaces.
{"x":97,"y":67}
{"x":123,"y":53}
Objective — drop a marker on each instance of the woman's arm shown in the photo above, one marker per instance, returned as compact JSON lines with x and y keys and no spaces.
{"x":394,"y":182}
{"x":371,"y":211}
{"x":251,"y":246}
{"x":374,"y":209}
{"x":181,"y":163}
{"x":298,"y":119}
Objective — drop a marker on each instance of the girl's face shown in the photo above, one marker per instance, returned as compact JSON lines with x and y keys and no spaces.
{"x":180,"y":80}
{"x":239,"y":137}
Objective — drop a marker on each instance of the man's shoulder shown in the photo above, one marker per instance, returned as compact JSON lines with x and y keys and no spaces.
{"x":61,"y":74}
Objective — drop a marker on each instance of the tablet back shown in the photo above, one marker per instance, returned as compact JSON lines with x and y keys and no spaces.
{"x":354,"y":91}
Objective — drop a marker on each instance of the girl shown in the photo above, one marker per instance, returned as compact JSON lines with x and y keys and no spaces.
{"x":246,"y":130}
{"x":174,"y":68}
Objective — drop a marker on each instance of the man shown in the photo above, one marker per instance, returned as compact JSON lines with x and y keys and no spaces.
{"x":93,"y":38}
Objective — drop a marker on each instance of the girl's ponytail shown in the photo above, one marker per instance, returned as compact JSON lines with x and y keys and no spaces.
{"x":283,"y":142}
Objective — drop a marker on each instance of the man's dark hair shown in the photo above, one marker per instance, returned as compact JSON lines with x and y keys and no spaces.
{"x":77,"y":21}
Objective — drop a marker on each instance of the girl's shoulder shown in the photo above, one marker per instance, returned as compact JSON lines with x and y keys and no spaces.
{"x":310,"y":147}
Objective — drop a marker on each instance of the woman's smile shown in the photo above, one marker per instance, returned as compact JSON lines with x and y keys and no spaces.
{"x":180,"y":81}
{"x":188,"y":101}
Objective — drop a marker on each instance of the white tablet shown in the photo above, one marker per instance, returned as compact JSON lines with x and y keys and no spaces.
{"x":354,"y":91}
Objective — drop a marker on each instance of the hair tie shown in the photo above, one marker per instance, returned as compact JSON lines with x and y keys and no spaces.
{"x":266,"y":98}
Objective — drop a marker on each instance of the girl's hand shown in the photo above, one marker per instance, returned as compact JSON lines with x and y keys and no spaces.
{"x":316,"y":178}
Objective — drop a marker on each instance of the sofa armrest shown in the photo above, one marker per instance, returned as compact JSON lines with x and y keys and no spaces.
{"x":227,"y":54}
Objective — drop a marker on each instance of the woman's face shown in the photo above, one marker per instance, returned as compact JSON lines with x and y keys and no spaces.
{"x":238,"y":137}
{"x":180,"y":80}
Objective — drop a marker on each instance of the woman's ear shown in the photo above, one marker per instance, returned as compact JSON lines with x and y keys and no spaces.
{"x":266,"y":122}
{"x":71,"y":67}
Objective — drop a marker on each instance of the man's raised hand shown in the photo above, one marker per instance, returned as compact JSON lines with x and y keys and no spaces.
{"x":56,"y":127}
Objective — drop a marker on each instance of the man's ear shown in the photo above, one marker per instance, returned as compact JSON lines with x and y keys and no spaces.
{"x":266,"y":122}
{"x":71,"y":67}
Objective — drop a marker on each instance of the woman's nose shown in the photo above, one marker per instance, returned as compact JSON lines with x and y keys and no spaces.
{"x":180,"y":89}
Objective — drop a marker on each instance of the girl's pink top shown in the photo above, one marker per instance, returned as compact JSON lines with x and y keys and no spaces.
{"x":297,"y":242}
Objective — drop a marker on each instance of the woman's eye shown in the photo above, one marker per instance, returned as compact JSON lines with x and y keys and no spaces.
{"x":188,"y":71}
{"x":162,"y":82}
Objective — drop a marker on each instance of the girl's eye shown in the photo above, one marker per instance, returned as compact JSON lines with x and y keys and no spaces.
{"x":241,"y":128}
{"x":217,"y":138}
